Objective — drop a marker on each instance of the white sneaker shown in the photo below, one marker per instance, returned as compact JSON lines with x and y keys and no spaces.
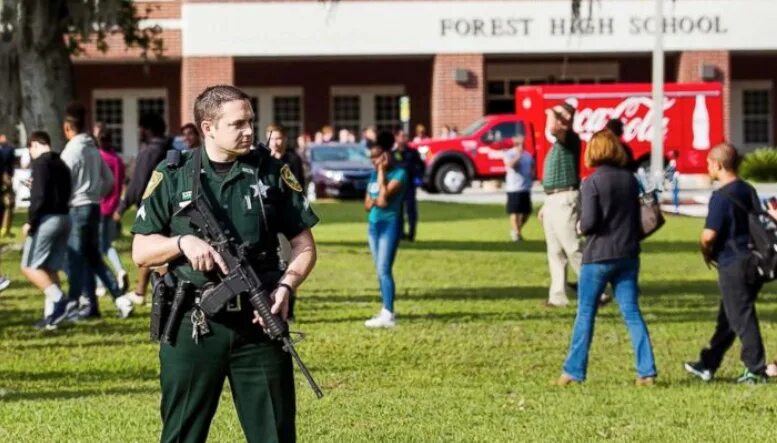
{"x":135,"y":298}
{"x":514,"y":236}
{"x":385,"y":319}
{"x":125,"y":306}
{"x":4,"y":283}
{"x":123,"y":279}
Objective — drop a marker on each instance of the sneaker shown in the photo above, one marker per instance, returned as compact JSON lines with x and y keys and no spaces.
{"x":566,"y":380}
{"x":42,"y":323}
{"x":697,"y":369}
{"x":125,"y":306}
{"x":645,"y":381}
{"x":85,"y":313}
{"x":749,"y":377}
{"x":385,"y":319}
{"x":514,"y":236}
{"x":123,"y":279}
{"x":136,"y":298}
{"x":771,"y":370}
{"x":4,"y":283}
{"x":61,"y":310}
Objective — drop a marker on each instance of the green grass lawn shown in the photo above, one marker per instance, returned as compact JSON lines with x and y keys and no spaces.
{"x":472,"y":358}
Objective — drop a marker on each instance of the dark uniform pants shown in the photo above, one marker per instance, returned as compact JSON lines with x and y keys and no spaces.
{"x":736,"y":318}
{"x":192,"y":377}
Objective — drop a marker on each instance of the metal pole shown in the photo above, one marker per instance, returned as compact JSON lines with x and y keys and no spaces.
{"x":657,"y":151}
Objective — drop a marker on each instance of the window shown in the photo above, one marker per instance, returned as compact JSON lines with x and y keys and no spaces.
{"x":120,"y":110}
{"x":283,"y":106}
{"x":756,"y":115}
{"x":151,"y":106}
{"x":287,"y":112}
{"x":357,"y":107}
{"x":346,"y":111}
{"x":110,"y":112}
{"x":505,"y":131}
{"x":387,"y":112}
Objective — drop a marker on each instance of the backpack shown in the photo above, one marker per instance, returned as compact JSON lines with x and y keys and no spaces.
{"x":763,"y":238}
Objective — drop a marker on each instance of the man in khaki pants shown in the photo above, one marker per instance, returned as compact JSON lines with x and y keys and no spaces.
{"x":561,"y":211}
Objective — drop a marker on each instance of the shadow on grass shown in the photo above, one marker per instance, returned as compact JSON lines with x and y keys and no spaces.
{"x":80,"y":393}
{"x":452,"y":294}
{"x":506,"y":246}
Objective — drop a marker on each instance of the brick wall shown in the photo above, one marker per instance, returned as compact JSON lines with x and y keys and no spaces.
{"x":689,"y":68}
{"x":197,"y":73}
{"x":90,"y":76}
{"x":316,"y":77}
{"x":457,"y":104}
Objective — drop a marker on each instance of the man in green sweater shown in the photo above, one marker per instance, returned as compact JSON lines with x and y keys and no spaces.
{"x":561,"y":211}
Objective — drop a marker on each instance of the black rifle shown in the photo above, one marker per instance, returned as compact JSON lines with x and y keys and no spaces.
{"x":241,"y":278}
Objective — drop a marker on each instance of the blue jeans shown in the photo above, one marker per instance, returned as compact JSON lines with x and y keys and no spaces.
{"x":622,"y":274}
{"x":84,"y":259}
{"x":384,"y":240}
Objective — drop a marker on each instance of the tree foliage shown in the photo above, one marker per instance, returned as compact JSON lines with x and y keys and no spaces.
{"x":41,"y":36}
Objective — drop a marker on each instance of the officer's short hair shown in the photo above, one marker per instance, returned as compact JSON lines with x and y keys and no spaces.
{"x":208,"y":104}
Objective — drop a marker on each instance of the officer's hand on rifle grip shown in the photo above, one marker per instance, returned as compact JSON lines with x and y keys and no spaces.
{"x":280,"y":297}
{"x":201,"y":255}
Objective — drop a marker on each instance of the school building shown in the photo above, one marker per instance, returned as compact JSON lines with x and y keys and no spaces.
{"x":308,"y":63}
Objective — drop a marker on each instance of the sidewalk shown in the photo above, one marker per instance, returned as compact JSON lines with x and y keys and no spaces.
{"x":692,"y":202}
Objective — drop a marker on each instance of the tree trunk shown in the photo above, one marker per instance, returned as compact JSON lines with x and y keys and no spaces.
{"x":45,"y":68}
{"x":10,"y":89}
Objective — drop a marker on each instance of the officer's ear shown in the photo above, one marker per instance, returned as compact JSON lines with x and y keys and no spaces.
{"x":207,"y":128}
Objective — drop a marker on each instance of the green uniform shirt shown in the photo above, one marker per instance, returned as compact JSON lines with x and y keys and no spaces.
{"x":234,"y":199}
{"x":562,"y":165}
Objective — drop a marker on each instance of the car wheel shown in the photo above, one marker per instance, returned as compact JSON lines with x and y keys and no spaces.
{"x":311,"y":192}
{"x":451,"y":178}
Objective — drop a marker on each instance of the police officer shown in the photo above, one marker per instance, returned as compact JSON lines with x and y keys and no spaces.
{"x":254,"y":196}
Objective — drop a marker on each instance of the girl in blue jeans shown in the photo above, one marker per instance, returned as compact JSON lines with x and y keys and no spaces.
{"x":610,"y":219}
{"x":383,"y":201}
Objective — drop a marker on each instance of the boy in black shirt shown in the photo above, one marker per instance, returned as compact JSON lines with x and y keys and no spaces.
{"x":48,"y":223}
{"x":724,"y":244}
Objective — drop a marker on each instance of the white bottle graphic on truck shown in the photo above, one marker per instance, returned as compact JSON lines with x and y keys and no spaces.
{"x":701,"y":124}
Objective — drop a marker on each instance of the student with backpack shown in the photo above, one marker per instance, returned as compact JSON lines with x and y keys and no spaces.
{"x":726,"y":244}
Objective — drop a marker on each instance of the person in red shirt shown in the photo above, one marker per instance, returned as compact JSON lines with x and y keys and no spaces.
{"x":109,"y":229}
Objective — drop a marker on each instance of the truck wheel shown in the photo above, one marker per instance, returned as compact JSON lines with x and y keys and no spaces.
{"x":450,"y":178}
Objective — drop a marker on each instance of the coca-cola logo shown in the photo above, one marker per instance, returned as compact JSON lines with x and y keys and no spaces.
{"x":636,"y":113}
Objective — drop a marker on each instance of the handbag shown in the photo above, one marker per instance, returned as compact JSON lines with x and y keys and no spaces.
{"x":651,"y":217}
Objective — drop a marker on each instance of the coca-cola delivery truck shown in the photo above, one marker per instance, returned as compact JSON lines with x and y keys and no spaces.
{"x":693,"y":122}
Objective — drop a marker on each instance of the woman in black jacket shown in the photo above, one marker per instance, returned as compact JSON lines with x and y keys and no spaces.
{"x":610,"y":219}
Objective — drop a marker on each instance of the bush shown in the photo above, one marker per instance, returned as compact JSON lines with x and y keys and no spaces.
{"x":760,"y":165}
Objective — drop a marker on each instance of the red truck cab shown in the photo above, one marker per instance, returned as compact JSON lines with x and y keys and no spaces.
{"x":693,"y":123}
{"x":476,"y":153}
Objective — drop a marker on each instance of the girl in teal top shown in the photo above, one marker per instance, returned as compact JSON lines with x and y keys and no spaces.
{"x":383,"y":201}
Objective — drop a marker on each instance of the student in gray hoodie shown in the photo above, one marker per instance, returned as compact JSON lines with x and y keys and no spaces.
{"x":91,"y":180}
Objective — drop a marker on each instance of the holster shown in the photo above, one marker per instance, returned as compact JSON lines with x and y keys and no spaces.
{"x":162,"y":287}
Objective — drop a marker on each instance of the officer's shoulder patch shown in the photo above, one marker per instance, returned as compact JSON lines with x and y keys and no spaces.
{"x":153,"y":183}
{"x":289,"y":179}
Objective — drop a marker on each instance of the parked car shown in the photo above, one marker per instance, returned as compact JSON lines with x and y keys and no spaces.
{"x":339,"y":170}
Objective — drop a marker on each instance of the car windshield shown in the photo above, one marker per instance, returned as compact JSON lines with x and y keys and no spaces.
{"x":351,"y":153}
{"x":474,"y":127}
